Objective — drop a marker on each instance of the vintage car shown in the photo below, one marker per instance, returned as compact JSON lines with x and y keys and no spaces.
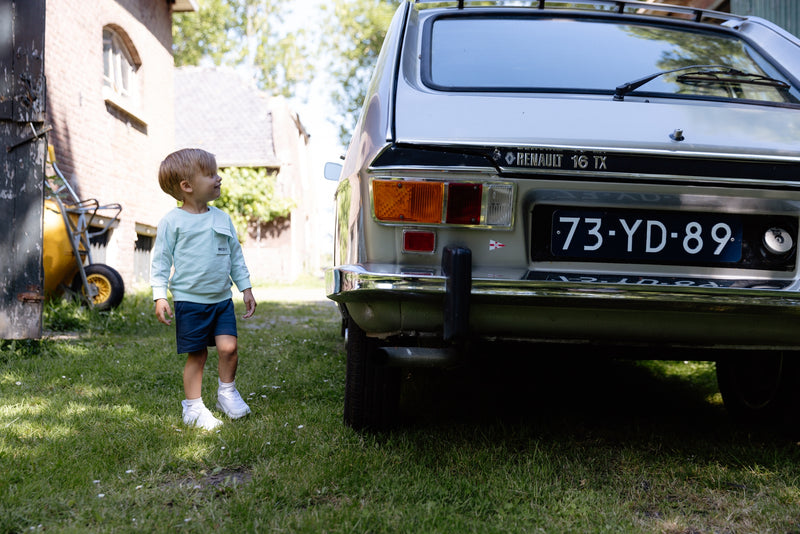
{"x":596,"y":173}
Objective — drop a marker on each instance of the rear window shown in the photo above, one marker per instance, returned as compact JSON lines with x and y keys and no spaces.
{"x":589,"y":56}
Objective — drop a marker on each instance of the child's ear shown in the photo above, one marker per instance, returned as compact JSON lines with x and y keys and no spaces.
{"x":186,"y":186}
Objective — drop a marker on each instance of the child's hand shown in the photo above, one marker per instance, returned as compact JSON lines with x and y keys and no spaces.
{"x":249,"y":303}
{"x":162,"y":311}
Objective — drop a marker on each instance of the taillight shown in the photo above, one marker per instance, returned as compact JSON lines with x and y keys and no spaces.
{"x":499,"y":205}
{"x":464,"y":203}
{"x":452,"y":203}
{"x":402,"y":201}
{"x":419,"y":241}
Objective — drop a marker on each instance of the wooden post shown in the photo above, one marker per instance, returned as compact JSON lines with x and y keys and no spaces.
{"x":22,"y":149}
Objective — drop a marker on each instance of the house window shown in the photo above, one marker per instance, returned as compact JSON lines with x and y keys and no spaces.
{"x":120,"y":63}
{"x":98,"y":243}
{"x":145,"y":239}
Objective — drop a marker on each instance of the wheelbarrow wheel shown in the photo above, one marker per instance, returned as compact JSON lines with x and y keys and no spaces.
{"x":106,"y":281}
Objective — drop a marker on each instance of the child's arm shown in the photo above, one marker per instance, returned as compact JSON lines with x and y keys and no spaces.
{"x":163,"y":310}
{"x":239,"y":272}
{"x":160,"y":268}
{"x":249,"y":303}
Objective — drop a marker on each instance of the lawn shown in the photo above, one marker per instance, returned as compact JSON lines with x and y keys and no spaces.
{"x":520,"y":440}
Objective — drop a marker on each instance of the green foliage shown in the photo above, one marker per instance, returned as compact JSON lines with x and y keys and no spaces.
{"x":244,"y":33}
{"x":68,"y":315}
{"x":249,"y":197}
{"x":354,"y":35}
{"x":203,"y":34}
{"x":62,"y":314}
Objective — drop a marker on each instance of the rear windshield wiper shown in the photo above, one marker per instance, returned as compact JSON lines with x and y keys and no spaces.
{"x":731,"y":77}
{"x":625,"y":88}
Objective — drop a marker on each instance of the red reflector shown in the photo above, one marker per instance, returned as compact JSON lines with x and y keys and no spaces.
{"x":418,"y":241}
{"x":464,"y":203}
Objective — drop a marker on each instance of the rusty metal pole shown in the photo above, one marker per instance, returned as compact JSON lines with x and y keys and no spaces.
{"x":22,"y":148}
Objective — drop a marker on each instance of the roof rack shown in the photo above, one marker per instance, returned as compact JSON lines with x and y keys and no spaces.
{"x":619,"y":6}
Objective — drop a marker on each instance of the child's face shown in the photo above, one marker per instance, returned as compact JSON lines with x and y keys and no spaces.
{"x":205,"y":187}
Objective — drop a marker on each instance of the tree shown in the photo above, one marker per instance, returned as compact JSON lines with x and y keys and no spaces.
{"x":200,"y":35}
{"x":245,"y":34}
{"x":250,"y":198}
{"x":354,"y":35}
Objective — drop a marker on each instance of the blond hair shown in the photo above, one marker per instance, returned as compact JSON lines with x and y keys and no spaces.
{"x":184,"y":165}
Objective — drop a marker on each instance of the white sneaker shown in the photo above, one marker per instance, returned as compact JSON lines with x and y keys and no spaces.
{"x":231,"y":403}
{"x":200,"y":417}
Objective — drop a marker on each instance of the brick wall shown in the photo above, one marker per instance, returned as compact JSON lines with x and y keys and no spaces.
{"x":105,"y":152}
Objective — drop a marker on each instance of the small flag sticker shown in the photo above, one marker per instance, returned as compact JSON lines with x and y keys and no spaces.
{"x":494,"y":245}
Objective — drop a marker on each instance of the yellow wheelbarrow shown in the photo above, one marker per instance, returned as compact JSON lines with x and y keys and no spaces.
{"x":69,"y":224}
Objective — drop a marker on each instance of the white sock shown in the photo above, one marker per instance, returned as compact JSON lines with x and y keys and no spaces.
{"x":226,"y":386}
{"x":194,"y":403}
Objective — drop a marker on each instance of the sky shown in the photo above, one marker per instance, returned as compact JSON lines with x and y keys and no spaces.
{"x":314,"y":105}
{"x":314,"y":108}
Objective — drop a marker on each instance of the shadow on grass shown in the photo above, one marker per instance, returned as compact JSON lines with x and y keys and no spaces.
{"x":554,"y":392}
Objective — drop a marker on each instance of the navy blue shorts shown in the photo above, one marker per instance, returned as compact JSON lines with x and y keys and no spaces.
{"x":196,"y":325}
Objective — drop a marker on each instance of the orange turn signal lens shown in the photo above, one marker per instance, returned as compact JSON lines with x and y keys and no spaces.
{"x":408,"y":201}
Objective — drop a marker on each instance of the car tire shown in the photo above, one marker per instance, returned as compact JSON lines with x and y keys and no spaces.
{"x":107,"y":281}
{"x":372,"y":389}
{"x":761,"y":387}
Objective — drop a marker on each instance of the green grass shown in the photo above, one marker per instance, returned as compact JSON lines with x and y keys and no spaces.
{"x":91,"y":440}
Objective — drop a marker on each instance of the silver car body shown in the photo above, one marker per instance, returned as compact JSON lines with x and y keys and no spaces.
{"x":574,"y":153}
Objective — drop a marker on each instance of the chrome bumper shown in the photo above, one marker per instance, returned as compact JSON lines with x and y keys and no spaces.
{"x":364,"y":282}
{"x":386,"y":300}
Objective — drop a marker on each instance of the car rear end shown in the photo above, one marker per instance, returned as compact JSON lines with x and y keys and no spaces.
{"x":603,"y":175}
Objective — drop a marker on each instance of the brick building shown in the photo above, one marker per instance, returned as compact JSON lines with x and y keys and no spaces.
{"x":112,"y":102}
{"x":109,"y":71}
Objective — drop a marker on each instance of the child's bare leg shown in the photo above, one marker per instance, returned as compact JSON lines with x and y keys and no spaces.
{"x":194,"y":410}
{"x":227,"y":349}
{"x":193,"y":373}
{"x":228,"y":398}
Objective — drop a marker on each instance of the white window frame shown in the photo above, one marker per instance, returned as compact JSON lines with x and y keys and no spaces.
{"x":120,"y":67}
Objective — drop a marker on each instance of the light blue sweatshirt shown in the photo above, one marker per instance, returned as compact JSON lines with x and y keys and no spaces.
{"x":205,"y":253}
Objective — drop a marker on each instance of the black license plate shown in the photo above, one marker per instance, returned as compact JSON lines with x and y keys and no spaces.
{"x":681,"y":238}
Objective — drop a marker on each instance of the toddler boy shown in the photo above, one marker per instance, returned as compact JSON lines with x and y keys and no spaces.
{"x":198,"y":244}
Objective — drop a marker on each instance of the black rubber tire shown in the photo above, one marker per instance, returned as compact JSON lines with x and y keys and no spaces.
{"x":761,"y":387}
{"x":372,"y":389}
{"x":107,"y":281}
